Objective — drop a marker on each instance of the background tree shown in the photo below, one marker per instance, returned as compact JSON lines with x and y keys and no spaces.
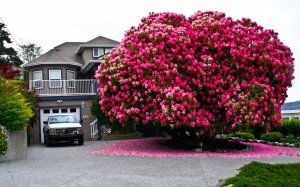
{"x":30,"y":51}
{"x":7,"y":54}
{"x":8,"y":72}
{"x":197,"y":77}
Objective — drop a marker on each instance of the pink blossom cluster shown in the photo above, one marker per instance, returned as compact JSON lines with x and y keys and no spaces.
{"x":151,"y":148}
{"x":207,"y":71}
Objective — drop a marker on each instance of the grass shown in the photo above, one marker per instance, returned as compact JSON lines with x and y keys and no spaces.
{"x":258,"y":174}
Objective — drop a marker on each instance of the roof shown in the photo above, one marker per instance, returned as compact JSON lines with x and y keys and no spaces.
{"x":100,"y":41}
{"x":61,"y":54}
{"x":69,"y":52}
{"x":291,"y":106}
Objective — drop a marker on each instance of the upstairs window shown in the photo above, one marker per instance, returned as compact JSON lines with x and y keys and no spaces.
{"x":37,"y":79}
{"x":97,"y":52}
{"x":71,"y":78}
{"x":108,"y":50}
{"x":55,"y":78}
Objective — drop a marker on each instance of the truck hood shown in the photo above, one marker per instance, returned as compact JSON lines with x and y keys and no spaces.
{"x":64,"y":125}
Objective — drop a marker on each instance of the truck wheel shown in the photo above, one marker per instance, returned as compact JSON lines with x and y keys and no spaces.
{"x":80,"y":141}
{"x":45,"y":140}
{"x":49,"y":141}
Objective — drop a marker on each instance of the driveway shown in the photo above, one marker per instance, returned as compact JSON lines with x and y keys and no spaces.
{"x":72,"y":165}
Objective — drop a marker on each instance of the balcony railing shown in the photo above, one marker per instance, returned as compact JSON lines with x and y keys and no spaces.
{"x":64,"y":87}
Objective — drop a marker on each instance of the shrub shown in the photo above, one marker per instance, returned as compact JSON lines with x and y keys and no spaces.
{"x":293,"y":127}
{"x":15,"y":110}
{"x":244,"y":135}
{"x":290,"y":138}
{"x":288,"y":127}
{"x":3,"y":140}
{"x":272,"y":136}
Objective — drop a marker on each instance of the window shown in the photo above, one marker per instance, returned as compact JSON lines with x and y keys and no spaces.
{"x":71,"y":78}
{"x":37,"y":79}
{"x":55,"y":110}
{"x":64,"y":110}
{"x":97,"y":52}
{"x":286,"y":118}
{"x":107,"y":50}
{"x":73,"y":110}
{"x":46,"y":111}
{"x":55,"y":78}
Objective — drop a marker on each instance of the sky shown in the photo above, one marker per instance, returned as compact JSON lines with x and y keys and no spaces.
{"x":49,"y":23}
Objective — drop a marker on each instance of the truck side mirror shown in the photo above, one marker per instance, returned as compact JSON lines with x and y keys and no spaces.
{"x":45,"y":122}
{"x":81,"y":121}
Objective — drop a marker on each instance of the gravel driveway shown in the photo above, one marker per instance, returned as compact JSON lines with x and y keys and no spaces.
{"x":71,"y":165}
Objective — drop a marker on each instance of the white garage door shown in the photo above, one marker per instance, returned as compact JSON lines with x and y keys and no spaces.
{"x":45,"y":112}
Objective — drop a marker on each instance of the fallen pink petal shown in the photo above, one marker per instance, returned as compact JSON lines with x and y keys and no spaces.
{"x":150,"y":147}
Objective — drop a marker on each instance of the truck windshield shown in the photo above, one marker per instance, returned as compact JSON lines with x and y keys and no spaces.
{"x":63,"y":119}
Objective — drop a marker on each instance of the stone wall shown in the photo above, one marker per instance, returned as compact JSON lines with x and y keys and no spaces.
{"x":17,"y":146}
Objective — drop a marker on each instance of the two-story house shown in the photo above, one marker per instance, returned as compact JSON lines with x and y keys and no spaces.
{"x":64,"y":80}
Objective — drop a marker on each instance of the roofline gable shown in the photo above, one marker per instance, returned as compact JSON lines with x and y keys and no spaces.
{"x":81,"y":47}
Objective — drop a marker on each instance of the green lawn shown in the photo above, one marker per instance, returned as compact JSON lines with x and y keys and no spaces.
{"x":258,"y":174}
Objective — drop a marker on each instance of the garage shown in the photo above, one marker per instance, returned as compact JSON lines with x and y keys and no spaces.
{"x":45,"y":112}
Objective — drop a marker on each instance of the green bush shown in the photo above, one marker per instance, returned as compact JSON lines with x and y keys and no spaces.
{"x":244,"y":135}
{"x":15,"y":110}
{"x":272,"y":136}
{"x":297,"y":139}
{"x":293,"y":127}
{"x":289,"y":127}
{"x":3,"y":140}
{"x":290,"y":138}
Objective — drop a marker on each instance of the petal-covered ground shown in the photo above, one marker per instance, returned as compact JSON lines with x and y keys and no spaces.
{"x":151,"y":147}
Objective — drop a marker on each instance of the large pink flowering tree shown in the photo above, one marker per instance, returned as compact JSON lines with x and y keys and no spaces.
{"x":207,"y":74}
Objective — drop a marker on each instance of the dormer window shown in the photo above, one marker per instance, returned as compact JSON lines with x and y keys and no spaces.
{"x":108,"y":50}
{"x":97,"y":52}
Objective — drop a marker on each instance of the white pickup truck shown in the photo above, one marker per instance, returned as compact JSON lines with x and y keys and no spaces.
{"x":62,"y":127}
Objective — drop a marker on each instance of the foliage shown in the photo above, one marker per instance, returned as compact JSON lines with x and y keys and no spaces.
{"x":8,"y":72}
{"x":7,"y":55}
{"x":272,"y":136}
{"x":289,"y":127}
{"x":244,"y":135}
{"x":29,"y":133}
{"x":97,"y":112}
{"x":290,"y":138}
{"x":208,"y":72}
{"x":263,"y":174}
{"x":32,"y":99}
{"x":30,"y":51}
{"x":15,"y":110}
{"x":3,"y":140}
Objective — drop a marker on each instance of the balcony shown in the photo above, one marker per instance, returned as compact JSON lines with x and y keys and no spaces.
{"x":64,"y":87}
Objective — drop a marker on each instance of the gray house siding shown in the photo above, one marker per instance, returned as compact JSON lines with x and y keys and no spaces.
{"x":87,"y":55}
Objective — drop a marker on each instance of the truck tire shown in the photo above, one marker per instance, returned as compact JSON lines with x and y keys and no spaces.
{"x":49,"y":141}
{"x":45,"y":140}
{"x":80,"y":141}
